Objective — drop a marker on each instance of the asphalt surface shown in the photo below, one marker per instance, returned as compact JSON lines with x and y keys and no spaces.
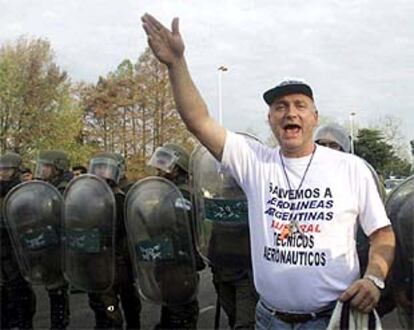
{"x":82,"y":316}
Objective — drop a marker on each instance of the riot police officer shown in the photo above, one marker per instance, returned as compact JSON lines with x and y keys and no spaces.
{"x":18,"y":301}
{"x":172,"y":162}
{"x":52,"y":166}
{"x":111,"y":168}
{"x":222,"y":216}
{"x":333,"y":136}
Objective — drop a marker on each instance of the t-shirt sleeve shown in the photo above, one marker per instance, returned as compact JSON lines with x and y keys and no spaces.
{"x":237,"y":155}
{"x":372,"y":215}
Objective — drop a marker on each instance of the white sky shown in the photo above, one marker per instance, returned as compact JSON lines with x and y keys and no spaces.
{"x":358,"y":55}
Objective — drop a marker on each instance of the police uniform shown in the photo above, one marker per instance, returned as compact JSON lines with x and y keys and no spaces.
{"x":106,"y":305}
{"x":58,"y":292}
{"x":18,"y":301}
{"x":184,"y":316}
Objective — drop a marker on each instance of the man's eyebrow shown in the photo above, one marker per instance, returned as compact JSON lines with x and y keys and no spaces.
{"x":300,"y":101}
{"x":280,"y":102}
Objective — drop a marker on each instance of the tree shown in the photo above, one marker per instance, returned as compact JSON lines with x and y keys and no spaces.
{"x":390,"y":126}
{"x":132,"y":111}
{"x":32,"y":90}
{"x":371,"y":146}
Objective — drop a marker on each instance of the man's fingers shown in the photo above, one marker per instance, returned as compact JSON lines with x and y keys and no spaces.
{"x":357,"y":300}
{"x":153,"y":22}
{"x":366,"y":305}
{"x":175,"y":26}
{"x":362,"y":295}
{"x":147,"y":29}
{"x":349,"y":293}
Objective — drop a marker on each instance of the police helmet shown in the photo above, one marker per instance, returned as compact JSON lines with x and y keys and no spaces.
{"x":107,"y":165}
{"x":10,"y":164}
{"x":169,"y":155}
{"x":333,"y":134}
{"x":56,"y":158}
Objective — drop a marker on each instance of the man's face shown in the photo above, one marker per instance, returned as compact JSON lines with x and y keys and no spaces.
{"x":77,"y":173}
{"x":27,"y":176}
{"x":292,"y":119}
{"x":330,"y":144}
{"x":172,"y":176}
{"x":47,"y":172}
{"x":103,"y":171}
{"x":6,"y":173}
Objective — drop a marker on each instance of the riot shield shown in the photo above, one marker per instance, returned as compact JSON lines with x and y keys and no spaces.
{"x":378,"y":183}
{"x":362,"y":241}
{"x":222,"y":232}
{"x":33,"y":214}
{"x":159,"y":238}
{"x":400,"y":210}
{"x":89,"y":216}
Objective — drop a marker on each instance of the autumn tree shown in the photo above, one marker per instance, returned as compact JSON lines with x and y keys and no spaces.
{"x":131,"y":111}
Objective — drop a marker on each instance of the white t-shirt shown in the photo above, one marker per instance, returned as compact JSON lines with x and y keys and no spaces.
{"x":303,"y":274}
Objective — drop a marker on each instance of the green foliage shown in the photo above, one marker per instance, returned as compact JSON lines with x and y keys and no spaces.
{"x":371,"y":146}
{"x":32,"y":90}
{"x":38,"y":107}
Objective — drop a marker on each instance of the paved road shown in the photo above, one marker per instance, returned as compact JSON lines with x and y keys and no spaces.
{"x":82,"y":316}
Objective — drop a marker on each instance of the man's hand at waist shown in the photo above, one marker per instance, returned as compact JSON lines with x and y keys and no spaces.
{"x":363,"y":295}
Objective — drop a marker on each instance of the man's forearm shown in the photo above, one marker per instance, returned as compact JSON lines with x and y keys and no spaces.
{"x":381,"y":252}
{"x":194,"y":111}
{"x":188,"y":100}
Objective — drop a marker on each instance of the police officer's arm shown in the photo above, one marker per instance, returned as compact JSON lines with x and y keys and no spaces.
{"x":363,"y":293}
{"x":168,"y":47}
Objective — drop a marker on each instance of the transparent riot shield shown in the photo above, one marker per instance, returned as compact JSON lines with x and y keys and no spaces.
{"x":378,"y":183}
{"x":89,"y":216}
{"x":222,"y":232}
{"x":159,"y":237}
{"x":362,"y":241}
{"x":400,"y":210}
{"x":33,"y":214}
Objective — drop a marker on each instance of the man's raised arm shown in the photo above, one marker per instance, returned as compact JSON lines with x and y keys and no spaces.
{"x":168,"y":47}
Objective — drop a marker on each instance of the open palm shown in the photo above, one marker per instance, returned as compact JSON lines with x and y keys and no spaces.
{"x":166,"y":45}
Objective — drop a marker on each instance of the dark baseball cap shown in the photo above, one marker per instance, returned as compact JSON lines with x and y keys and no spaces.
{"x":286,"y":87}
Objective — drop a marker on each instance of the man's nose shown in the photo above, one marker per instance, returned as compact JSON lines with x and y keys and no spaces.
{"x":291,"y":111}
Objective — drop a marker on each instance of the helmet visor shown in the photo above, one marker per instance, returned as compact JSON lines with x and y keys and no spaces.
{"x":44,"y":170}
{"x":163,"y":159}
{"x":105,"y":168}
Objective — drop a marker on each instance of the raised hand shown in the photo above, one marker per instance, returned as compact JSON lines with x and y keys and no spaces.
{"x":167,"y":46}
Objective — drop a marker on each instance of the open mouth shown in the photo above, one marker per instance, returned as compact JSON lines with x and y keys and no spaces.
{"x":292,"y":128}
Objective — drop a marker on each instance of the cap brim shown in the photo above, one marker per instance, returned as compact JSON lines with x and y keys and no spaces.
{"x":279,"y":91}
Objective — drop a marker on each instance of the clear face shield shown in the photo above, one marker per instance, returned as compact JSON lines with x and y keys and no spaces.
{"x":45,"y":171}
{"x":163,"y":159}
{"x":105,"y":168}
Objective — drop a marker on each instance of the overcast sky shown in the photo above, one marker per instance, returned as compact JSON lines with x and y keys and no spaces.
{"x":358,"y":55}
